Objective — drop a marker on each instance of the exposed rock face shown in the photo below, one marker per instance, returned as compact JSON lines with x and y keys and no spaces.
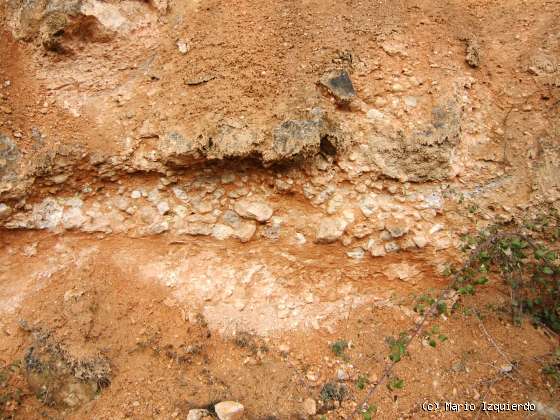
{"x":294,"y":138}
{"x":424,"y":155}
{"x":57,"y":23}
{"x":289,"y":141}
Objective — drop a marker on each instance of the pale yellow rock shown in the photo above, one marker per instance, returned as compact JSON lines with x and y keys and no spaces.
{"x":229,"y":410}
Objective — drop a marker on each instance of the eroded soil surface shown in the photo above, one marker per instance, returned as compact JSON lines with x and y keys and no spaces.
{"x":205,"y":201}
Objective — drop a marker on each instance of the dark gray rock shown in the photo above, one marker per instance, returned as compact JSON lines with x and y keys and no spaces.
{"x":338,"y":84}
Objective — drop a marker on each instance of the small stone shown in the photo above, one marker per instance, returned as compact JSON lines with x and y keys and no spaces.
{"x":360,"y":230}
{"x":393,"y":48}
{"x":410,"y":101}
{"x":334,"y":204}
{"x":229,"y":410}
{"x":506,"y":368}
{"x":356,"y":253}
{"x":330,"y":230}
{"x":179,"y":193}
{"x":158,"y":227}
{"x":282,"y":185}
{"x":30,"y":250}
{"x":341,"y":375}
{"x":255,"y":210}
{"x":436,"y":228}
{"x":135,"y":194}
{"x":374,"y":114}
{"x":237,"y":193}
{"x":368,"y":205}
{"x":272,"y":229}
{"x":420,"y":241}
{"x":73,"y":218}
{"x":397,"y":87}
{"x":385,"y":236}
{"x":5,"y":211}
{"x":392,"y":247}
{"x":60,"y":178}
{"x":300,"y":238}
{"x":202,"y":206}
{"x":396,"y":227}
{"x":243,"y":229}
{"x":222,"y":232}
{"x":198,"y":229}
{"x":380,"y":102}
{"x":284,"y":348}
{"x":183,"y":47}
{"x":120,"y":202}
{"x":310,"y":406}
{"x":163,"y":207}
{"x":375,"y":249}
{"x":198,"y":414}
{"x":339,"y":85}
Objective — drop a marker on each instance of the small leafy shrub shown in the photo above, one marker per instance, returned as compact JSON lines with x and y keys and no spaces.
{"x":339,"y":347}
{"x":552,"y":368}
{"x":362,"y":382}
{"x":333,"y":391}
{"x":425,"y":301}
{"x":525,"y":258}
{"x":433,"y":336}
{"x":397,"y":346}
{"x":395,"y":383}
{"x":11,"y":393}
{"x":370,"y":412}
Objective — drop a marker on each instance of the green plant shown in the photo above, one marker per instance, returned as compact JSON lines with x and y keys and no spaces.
{"x":434,"y":332}
{"x":361,"y":382}
{"x":339,"y":347}
{"x":525,"y":257}
{"x":397,"y":346}
{"x":333,"y":391}
{"x":370,"y":412}
{"x":395,"y":383}
{"x":426,"y":301}
{"x":552,"y":368}
{"x":11,"y":395}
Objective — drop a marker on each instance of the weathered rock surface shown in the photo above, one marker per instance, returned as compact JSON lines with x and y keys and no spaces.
{"x":424,"y":155}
